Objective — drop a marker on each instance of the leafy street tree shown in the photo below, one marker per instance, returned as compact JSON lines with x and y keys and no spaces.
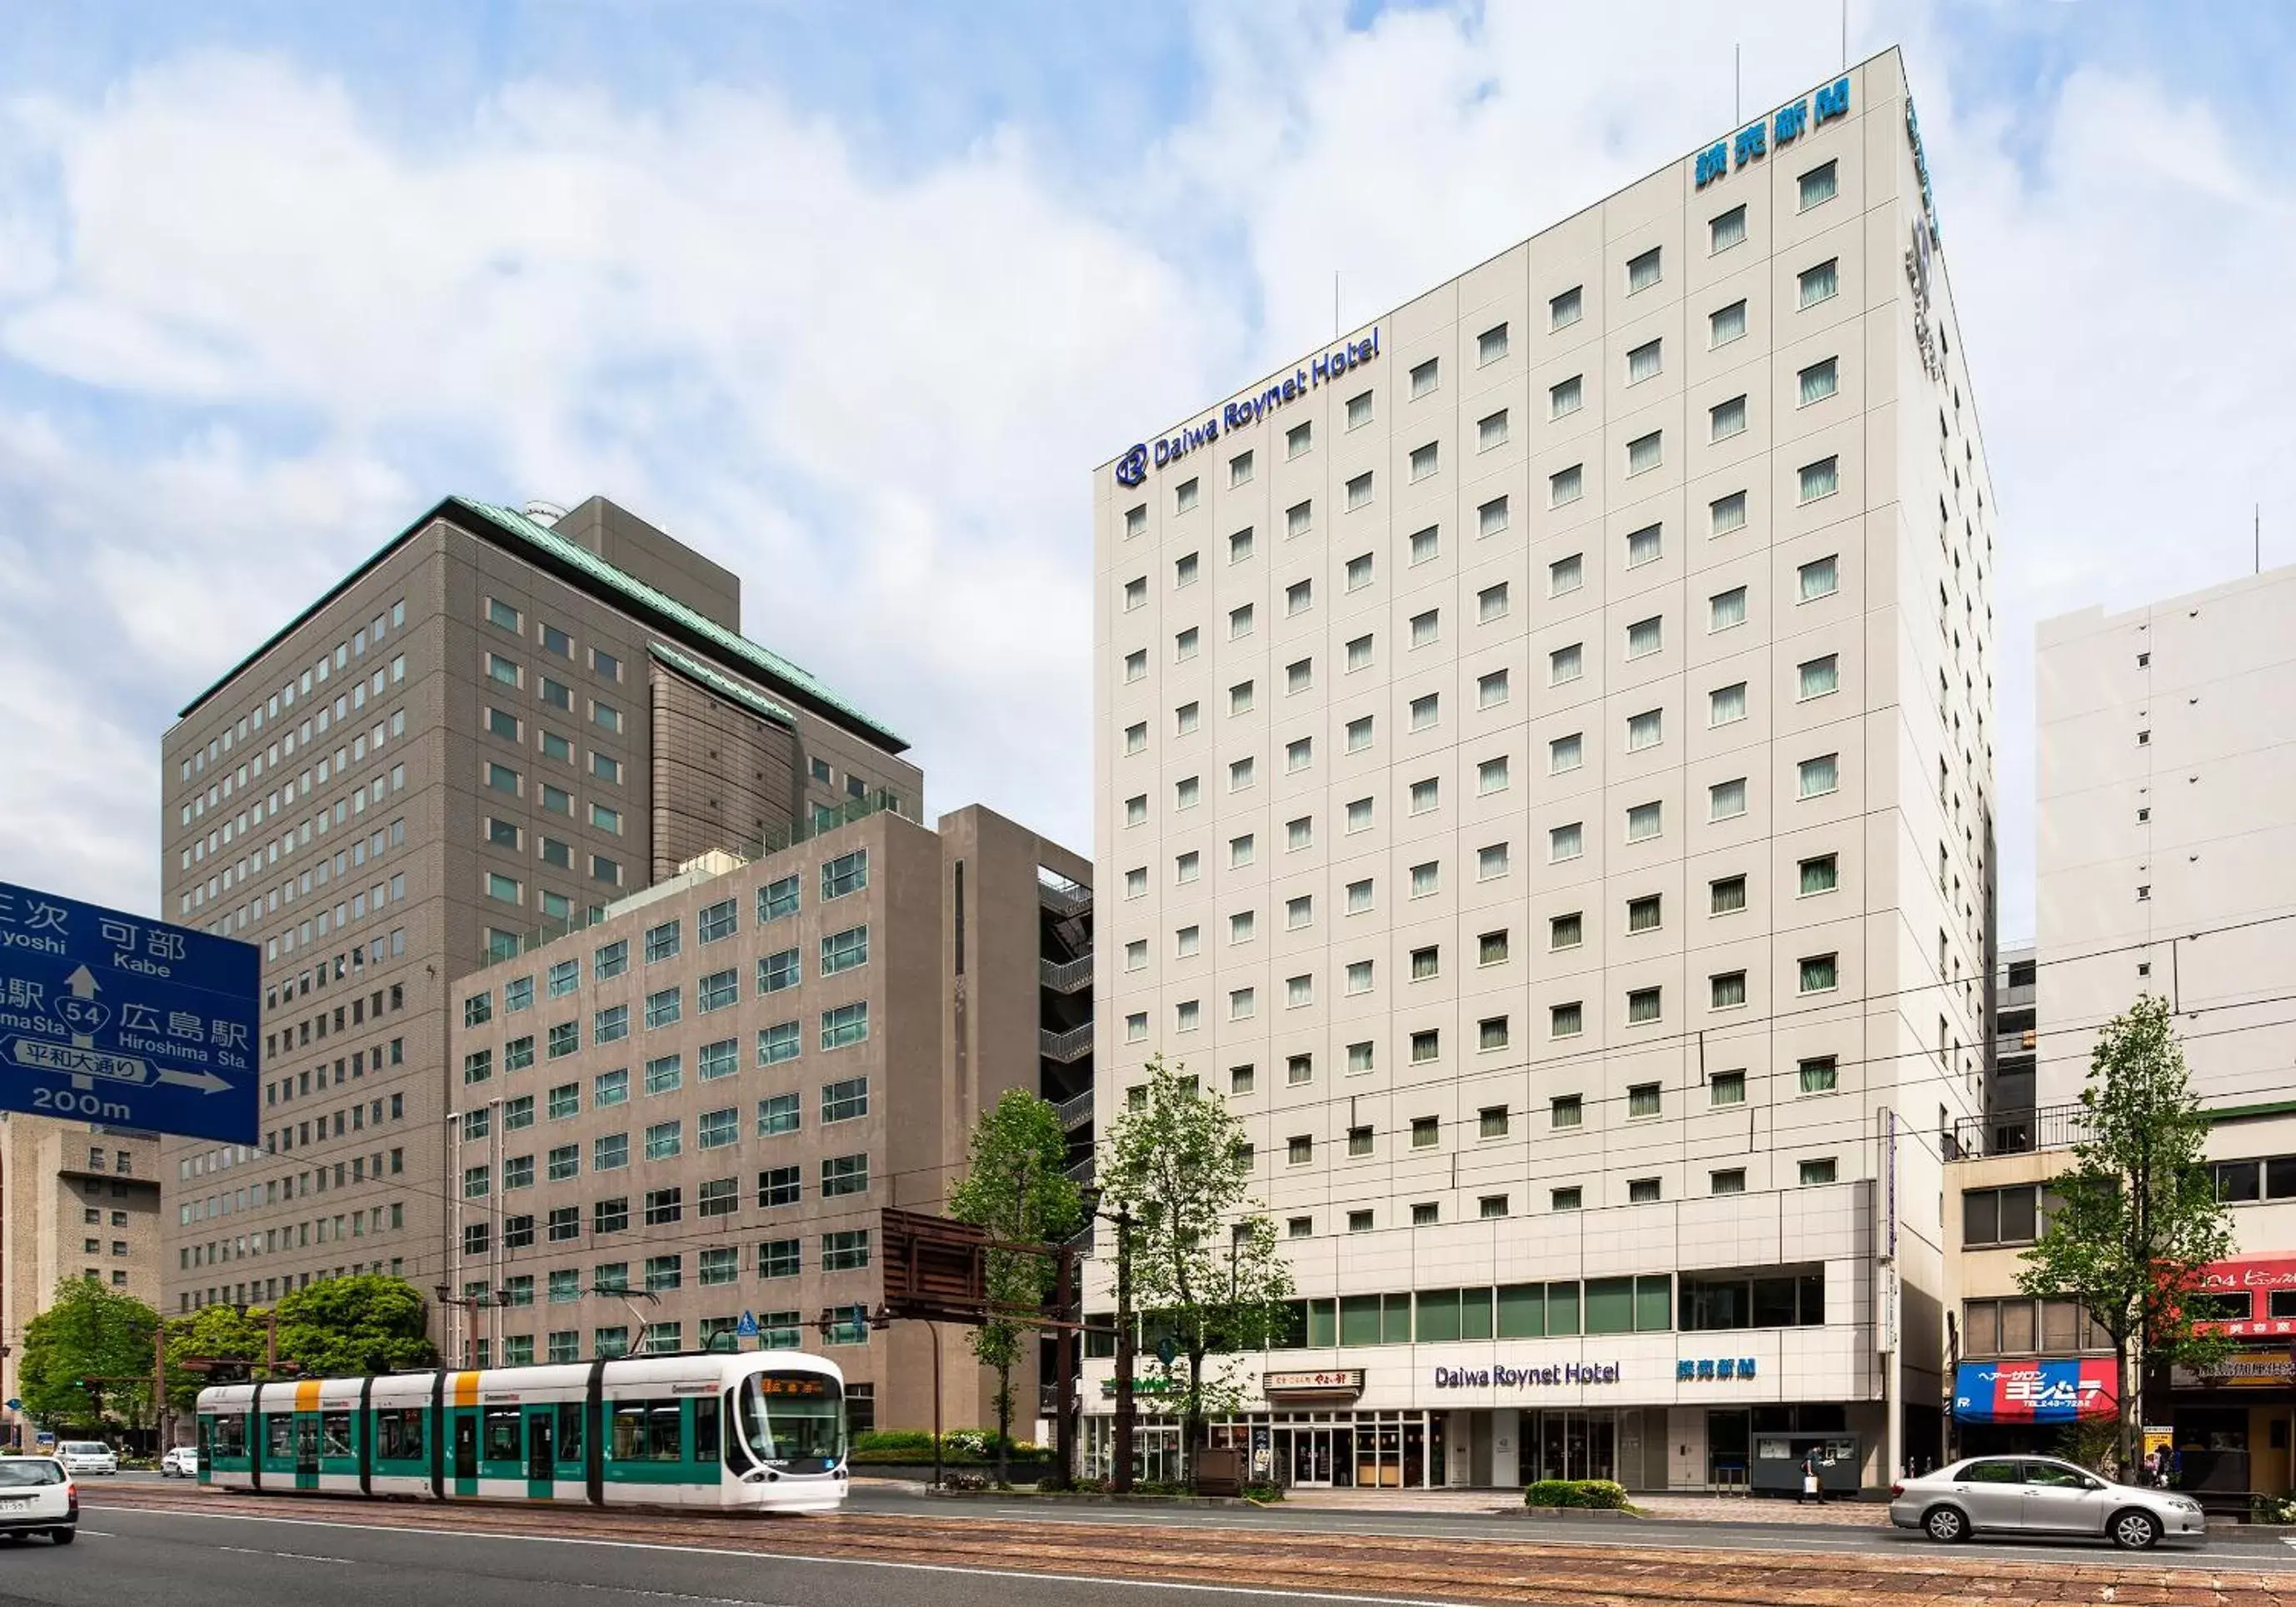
{"x":1205,"y":1266}
{"x":2138,"y":1214}
{"x":217,"y":1332}
{"x":1017,"y":1187}
{"x":346,"y":1327}
{"x":94,"y":1332}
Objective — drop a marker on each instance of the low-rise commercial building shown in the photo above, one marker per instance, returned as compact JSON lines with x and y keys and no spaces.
{"x":691,"y":1110}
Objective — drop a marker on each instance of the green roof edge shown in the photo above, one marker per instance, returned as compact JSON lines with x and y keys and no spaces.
{"x":765,"y":708}
{"x":649,"y":600}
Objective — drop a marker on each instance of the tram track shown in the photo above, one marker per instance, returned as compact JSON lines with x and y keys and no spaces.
{"x":1528,"y":1570}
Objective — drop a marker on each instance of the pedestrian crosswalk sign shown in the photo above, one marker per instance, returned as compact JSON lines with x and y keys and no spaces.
{"x":747,"y":1328}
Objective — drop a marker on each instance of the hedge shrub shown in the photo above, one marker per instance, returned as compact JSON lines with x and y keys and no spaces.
{"x":1594,"y":1493}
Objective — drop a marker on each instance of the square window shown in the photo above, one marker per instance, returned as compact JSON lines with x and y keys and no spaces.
{"x":1360,"y":409}
{"x":1818,"y":382}
{"x":1819,"y":875}
{"x":1565,"y":308}
{"x":1817,"y":187}
{"x":1725,"y":229}
{"x":1425,"y":377}
{"x":1566,"y":396}
{"x":1491,"y":345}
{"x":1726,"y":419}
{"x":1643,"y":1004}
{"x":1726,"y":1088}
{"x":1727,"y":610}
{"x":1819,"y":283}
{"x":1726,"y":324}
{"x":1645,"y":453}
{"x":1815,"y":1173}
{"x":1725,"y":799}
{"x":1820,"y":973}
{"x":1491,"y":430}
{"x":1819,"y":578}
{"x":1357,"y":490}
{"x":1644,"y":271}
{"x":1727,"y":705}
{"x":1818,"y":677}
{"x":1646,"y":362}
{"x":1566,"y":1021}
{"x":1819,"y":776}
{"x":1728,"y":991}
{"x":1566,"y":485}
{"x":1645,"y":821}
{"x":1725,"y":896}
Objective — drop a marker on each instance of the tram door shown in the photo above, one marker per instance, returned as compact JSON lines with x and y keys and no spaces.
{"x":307,"y":1450}
{"x":466,"y":1452}
{"x":541,"y":1458}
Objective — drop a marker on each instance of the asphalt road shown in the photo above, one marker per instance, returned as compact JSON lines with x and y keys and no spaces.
{"x":150,"y":1559}
{"x":2226,"y":1547}
{"x":322,"y":1555}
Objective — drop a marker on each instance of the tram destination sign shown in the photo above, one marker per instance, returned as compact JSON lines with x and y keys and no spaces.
{"x":111,"y":1018}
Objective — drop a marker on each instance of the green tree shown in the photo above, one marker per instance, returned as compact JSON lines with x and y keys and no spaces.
{"x":349,"y":1327}
{"x":219,"y":1333}
{"x":94,"y":1333}
{"x":2137,"y":1214}
{"x":1205,"y":1266}
{"x":1016,"y":1185}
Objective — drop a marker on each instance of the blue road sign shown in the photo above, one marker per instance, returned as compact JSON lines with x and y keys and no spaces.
{"x":747,"y":1328}
{"x":109,"y":1017}
{"x":14,"y":1404}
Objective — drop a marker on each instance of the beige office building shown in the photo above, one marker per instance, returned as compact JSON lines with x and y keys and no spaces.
{"x":497,"y":723}
{"x":1544,"y":784}
{"x":696,"y":1107}
{"x":77,"y":1200}
{"x":2166,"y":834}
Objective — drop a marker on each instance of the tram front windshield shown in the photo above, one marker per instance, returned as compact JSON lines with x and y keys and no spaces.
{"x":794,"y":1422}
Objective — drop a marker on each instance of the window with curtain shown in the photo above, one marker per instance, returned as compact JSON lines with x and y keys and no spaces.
{"x":1645,"y":545}
{"x":1645,"y":452}
{"x":1819,"y":578}
{"x":1646,"y":362}
{"x":1729,"y":989}
{"x":1565,"y":753}
{"x":1566,"y":396}
{"x":1726,"y":419}
{"x":1727,"y":229}
{"x":1819,"y":677}
{"x":1725,"y":610}
{"x":1725,"y":704}
{"x":1820,"y":775}
{"x":1820,"y":479}
{"x":1726,"y":324}
{"x":1727,"y":799}
{"x":1819,"y":283}
{"x":1645,"y":730}
{"x":1820,"y":380}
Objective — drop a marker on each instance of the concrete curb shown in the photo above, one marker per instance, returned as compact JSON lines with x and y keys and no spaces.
{"x":1093,"y":1498}
{"x":1630,"y":1513}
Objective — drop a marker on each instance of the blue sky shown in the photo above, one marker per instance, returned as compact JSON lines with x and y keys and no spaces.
{"x":854,"y":297}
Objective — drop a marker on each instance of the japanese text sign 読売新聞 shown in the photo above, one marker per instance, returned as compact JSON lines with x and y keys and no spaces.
{"x":111,"y":1018}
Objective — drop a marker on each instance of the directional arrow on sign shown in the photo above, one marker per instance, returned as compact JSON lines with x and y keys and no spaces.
{"x":205,"y":1080}
{"x":82,"y":983}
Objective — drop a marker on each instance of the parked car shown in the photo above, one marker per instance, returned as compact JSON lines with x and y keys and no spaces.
{"x":2039,"y":1495}
{"x":38,"y":1498}
{"x":81,"y":1456}
{"x":181,"y":1462}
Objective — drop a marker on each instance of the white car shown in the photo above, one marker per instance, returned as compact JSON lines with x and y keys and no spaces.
{"x":87,"y":1457}
{"x":181,"y":1462}
{"x":38,"y":1498}
{"x":2031,"y":1494}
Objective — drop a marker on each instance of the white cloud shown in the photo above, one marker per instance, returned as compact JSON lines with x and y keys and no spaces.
{"x":878,"y":398}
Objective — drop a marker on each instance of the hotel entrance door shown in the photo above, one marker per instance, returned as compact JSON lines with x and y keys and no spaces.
{"x":1577,"y":1444}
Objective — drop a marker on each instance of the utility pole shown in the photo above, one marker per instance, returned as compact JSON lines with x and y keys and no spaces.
{"x":160,"y":1382}
{"x":1120,"y":1479}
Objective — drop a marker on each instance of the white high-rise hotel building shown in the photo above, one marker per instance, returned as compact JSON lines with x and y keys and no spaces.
{"x":1545,"y":784}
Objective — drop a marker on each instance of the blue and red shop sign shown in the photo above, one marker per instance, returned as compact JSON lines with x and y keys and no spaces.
{"x":2035,"y":1391}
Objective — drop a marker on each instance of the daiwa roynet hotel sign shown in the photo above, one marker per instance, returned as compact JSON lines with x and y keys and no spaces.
{"x":1132,"y":468}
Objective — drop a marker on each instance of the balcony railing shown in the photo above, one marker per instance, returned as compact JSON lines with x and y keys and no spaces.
{"x":1059,"y":893}
{"x":2018,"y":1132}
{"x":1066,"y":976}
{"x":1073,"y":1045}
{"x":1074,"y":1112}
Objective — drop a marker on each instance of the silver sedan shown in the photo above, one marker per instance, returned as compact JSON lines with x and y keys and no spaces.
{"x":2036,"y":1495}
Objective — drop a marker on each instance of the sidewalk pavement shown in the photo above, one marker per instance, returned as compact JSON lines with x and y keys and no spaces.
{"x":1687,"y":1508}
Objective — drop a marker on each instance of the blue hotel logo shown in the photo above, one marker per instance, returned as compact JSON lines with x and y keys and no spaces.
{"x":1713,"y":1368}
{"x":1132,"y":468}
{"x":1785,"y":126}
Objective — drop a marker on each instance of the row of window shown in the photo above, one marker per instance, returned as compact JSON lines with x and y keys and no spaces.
{"x":776,"y":900}
{"x":776,"y":1330}
{"x":1814,"y":581}
{"x":840,"y":1027}
{"x":1564,"y":309}
{"x":506,"y":615}
{"x":249,"y":726}
{"x":777,"y":1188}
{"x":365,"y":1223}
{"x":1811,"y":1173}
{"x":1816,"y":777}
{"x":355,"y":1119}
{"x":1726,"y":990}
{"x":346,"y":810}
{"x":665,"y":1140}
{"x":844,"y":1250}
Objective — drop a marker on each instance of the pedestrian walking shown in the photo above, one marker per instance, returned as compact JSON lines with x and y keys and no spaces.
{"x":1812,"y":1487}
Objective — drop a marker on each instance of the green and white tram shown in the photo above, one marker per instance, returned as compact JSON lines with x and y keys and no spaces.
{"x":763,"y":1430}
